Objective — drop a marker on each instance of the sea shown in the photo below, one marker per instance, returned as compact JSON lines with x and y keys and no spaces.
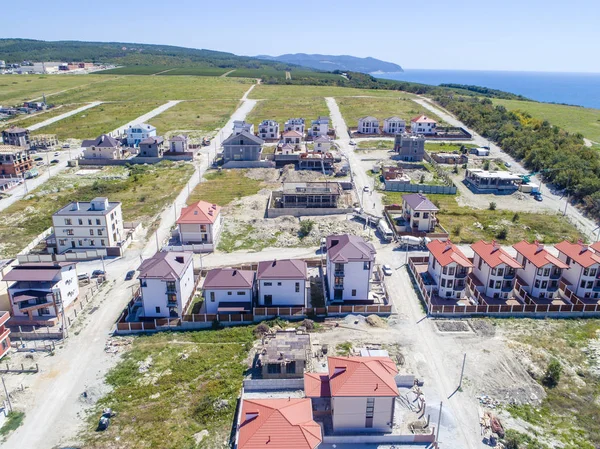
{"x":580,"y":89}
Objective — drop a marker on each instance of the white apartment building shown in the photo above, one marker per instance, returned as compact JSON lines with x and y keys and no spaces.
{"x":541,"y":272}
{"x":282,"y":283}
{"x":495,"y":270}
{"x":240,"y":126}
{"x":167,"y":284}
{"x":319,"y":127}
{"x":368,"y":125}
{"x":449,"y":268}
{"x":419,"y":212}
{"x":88,"y":225}
{"x":139,"y":132}
{"x":295,"y":124}
{"x":394,"y":125}
{"x":583,"y":275}
{"x":423,"y":125}
{"x":322,"y":144}
{"x":268,"y":130}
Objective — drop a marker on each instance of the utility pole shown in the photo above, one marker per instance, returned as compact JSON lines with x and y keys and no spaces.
{"x":462,"y":372}
{"x":156,"y":236}
{"x":7,"y":396}
{"x":103,"y":266}
{"x":437,"y":433}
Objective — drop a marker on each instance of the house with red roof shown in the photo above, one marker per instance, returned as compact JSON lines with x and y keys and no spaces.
{"x":541,"y":272}
{"x":200,"y":223}
{"x":292,"y":137}
{"x":494,"y":269}
{"x":350,"y":263}
{"x":277,"y":424}
{"x":423,"y":125}
{"x":228,"y":290}
{"x":583,"y":275}
{"x":361,"y":392}
{"x":449,"y":268}
{"x":282,"y":283}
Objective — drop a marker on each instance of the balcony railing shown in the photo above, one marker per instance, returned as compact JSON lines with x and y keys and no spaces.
{"x":510,"y":275}
{"x":338,"y":286}
{"x":171,"y":303}
{"x":339,"y":274}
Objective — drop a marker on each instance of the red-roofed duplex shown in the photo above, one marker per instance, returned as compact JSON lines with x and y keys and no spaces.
{"x":495,"y":269}
{"x":362,"y":390}
{"x":448,"y":267}
{"x":4,"y":333}
{"x":200,"y":223}
{"x":584,"y":268}
{"x":541,"y":272}
{"x":277,"y":424}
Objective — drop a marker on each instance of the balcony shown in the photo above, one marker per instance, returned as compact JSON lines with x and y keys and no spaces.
{"x":338,"y":287}
{"x":461,"y":274}
{"x":554,"y":275}
{"x":339,"y":274}
{"x":171,"y":302}
{"x":510,"y":274}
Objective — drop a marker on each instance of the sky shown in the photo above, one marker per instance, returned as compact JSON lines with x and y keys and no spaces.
{"x":519,"y":35}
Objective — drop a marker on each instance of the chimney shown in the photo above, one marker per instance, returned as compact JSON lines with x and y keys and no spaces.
{"x":250,"y":416}
{"x":75,"y":205}
{"x":539,"y":248}
{"x":495,"y":246}
{"x":179,"y":259}
{"x":448,"y":245}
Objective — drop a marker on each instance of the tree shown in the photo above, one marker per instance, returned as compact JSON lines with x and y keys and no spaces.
{"x":486,"y":165}
{"x":553,"y":372}
{"x":305,"y":227}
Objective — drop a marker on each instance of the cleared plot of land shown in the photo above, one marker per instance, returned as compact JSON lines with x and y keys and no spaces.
{"x":158,"y":88}
{"x":14,"y":89}
{"x":467,"y":225}
{"x":373,"y":144}
{"x":353,"y":108}
{"x":95,"y":121}
{"x":571,"y":118}
{"x":270,"y":92}
{"x":144,"y":191}
{"x":443,"y":147}
{"x":201,"y":116}
{"x":37,"y":118}
{"x":169,"y":387}
{"x":283,"y":108}
{"x":224,"y":186}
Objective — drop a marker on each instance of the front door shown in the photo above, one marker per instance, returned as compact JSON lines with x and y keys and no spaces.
{"x":337,"y":294}
{"x":72,"y":243}
{"x":268,"y":300}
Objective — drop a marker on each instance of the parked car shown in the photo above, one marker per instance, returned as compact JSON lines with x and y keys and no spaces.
{"x":66,"y":146}
{"x":56,"y":154}
{"x":366,"y":188}
{"x":130,"y":274}
{"x":507,"y":164}
{"x":39,"y":159}
{"x":40,"y":163}
{"x":54,"y":161}
{"x":352,"y":142}
{"x":538,"y":197}
{"x":97,"y":273}
{"x":83,"y":277}
{"x":387,"y":270}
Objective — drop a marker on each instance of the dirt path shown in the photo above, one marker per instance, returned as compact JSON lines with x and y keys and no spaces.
{"x":63,"y":116}
{"x":227,"y":73}
{"x":146,"y":117}
{"x":164,"y":71}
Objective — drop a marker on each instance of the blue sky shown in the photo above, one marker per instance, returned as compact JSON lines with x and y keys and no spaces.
{"x":529,"y":35}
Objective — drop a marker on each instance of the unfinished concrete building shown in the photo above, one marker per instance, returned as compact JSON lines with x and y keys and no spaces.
{"x":310,"y":195}
{"x":285,"y":354}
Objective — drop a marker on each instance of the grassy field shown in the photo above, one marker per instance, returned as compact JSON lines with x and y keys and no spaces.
{"x":354,"y":108}
{"x":467,"y":225}
{"x":243,"y":240}
{"x":191,"y":384}
{"x":196,"y":71}
{"x":142,"y":190}
{"x":284,"y":108}
{"x":103,"y":118}
{"x":571,"y":118}
{"x":224,"y":186}
{"x":29,"y":120}
{"x":201,"y":116}
{"x":373,"y":144}
{"x":273,"y":92}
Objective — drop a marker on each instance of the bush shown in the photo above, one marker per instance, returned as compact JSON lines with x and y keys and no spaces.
{"x":422,"y":180}
{"x":492,"y":206}
{"x":455,"y":169}
{"x":261,"y":330}
{"x":553,"y":372}
{"x":456,"y":229}
{"x":515,"y":217}
{"x":305,"y":227}
{"x":308,"y":324}
{"x":502,"y":234}
{"x":486,"y":165}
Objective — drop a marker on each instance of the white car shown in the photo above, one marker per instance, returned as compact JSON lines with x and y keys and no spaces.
{"x":387,"y":270}
{"x":352,"y":142}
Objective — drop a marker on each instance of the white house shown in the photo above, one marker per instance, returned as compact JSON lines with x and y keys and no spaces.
{"x":139,"y":132}
{"x":350,"y":263}
{"x":200,"y":223}
{"x":240,"y":126}
{"x":292,"y":137}
{"x":494,"y":269}
{"x":449,"y":268}
{"x":295,"y":124}
{"x":584,"y":266}
{"x":419,"y":212}
{"x":167,"y":284}
{"x":39,"y":291}
{"x":368,"y":125}
{"x":319,"y":127}
{"x":228,"y":290}
{"x":394,"y":125}
{"x":423,"y":125}
{"x":88,"y":225}
{"x":268,"y":130}
{"x":282,"y":283}
{"x":179,"y":144}
{"x":541,"y":272}
{"x":322,"y":144}
{"x":103,"y":147}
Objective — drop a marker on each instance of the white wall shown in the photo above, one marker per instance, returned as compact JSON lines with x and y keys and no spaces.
{"x":154,"y":294}
{"x":69,"y":285}
{"x":284,"y":294}
{"x":355,"y":278}
{"x":575,"y":275}
{"x":349,"y":414}
{"x":101,"y":153}
{"x":423,"y":128}
{"x":502,"y":286}
{"x":222,"y":296}
{"x":192,"y":233}
{"x":450,"y":279}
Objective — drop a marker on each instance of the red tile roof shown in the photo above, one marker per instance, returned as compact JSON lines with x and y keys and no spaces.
{"x":199,"y":213}
{"x":362,"y":376}
{"x":596,"y":247}
{"x":228,"y":278}
{"x":493,"y":255}
{"x":316,"y":385}
{"x":292,"y":133}
{"x":579,"y":252}
{"x":278,"y":424}
{"x":423,"y":119}
{"x":447,"y":252}
{"x":537,"y":255}
{"x":282,"y":269}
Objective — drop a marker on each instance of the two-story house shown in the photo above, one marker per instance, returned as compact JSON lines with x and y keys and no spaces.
{"x":350,"y":264}
{"x":16,"y":136}
{"x":368,"y":125}
{"x":409,"y":147}
{"x":419,"y":212}
{"x":167,"y":284}
{"x":541,"y":272}
{"x":200,"y":223}
{"x":179,"y":144}
{"x":583,"y":275}
{"x":291,"y":137}
{"x":295,"y":124}
{"x":88,"y":225}
{"x":282,"y":283}
{"x":228,"y":290}
{"x":152,"y":147}
{"x":268,"y":130}
{"x":319,"y":127}
{"x":495,"y":270}
{"x":394,"y":125}
{"x":361,"y":392}
{"x":449,"y":268}
{"x":322,"y":144}
{"x":103,"y":147}
{"x":139,"y":132}
{"x":14,"y":161}
{"x":240,"y":126}
{"x":423,"y":125}
{"x":242,"y":147}
{"x":5,"y":334}
{"x":40,"y":291}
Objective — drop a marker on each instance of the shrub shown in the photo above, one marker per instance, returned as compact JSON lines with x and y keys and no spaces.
{"x":553,"y":372}
{"x":492,"y":206}
{"x":455,"y":169}
{"x":308,"y":324}
{"x":261,"y":330}
{"x":422,"y":180}
{"x":305,"y":227}
{"x":502,"y":234}
{"x":456,"y":229}
{"x":515,"y":217}
{"x":486,"y":165}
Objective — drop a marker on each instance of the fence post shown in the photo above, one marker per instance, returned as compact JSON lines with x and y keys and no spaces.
{"x":37,"y":368}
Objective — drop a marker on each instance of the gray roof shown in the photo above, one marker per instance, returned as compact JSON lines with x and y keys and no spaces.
{"x":166,"y":266}
{"x":85,"y":208}
{"x":254,"y":139}
{"x":152,"y":140}
{"x":228,"y":278}
{"x":179,"y":138}
{"x":36,"y":271}
{"x":103,"y":141}
{"x":282,"y":269}
{"x":418,"y":201}
{"x":349,"y":248}
{"x":369,"y":118}
{"x":285,"y":346}
{"x":16,"y":129}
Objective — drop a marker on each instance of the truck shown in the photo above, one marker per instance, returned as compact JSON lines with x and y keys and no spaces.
{"x":385,"y":230}
{"x":406,"y":241}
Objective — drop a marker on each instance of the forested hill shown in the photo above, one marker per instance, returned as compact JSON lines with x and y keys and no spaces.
{"x":342,"y":62}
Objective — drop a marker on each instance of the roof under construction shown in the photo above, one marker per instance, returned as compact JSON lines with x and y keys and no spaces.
{"x":285,"y":346}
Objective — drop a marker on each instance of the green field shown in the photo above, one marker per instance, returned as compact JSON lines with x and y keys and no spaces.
{"x":29,"y":120}
{"x":353,"y":108}
{"x":282,"y":109}
{"x":223,"y":186}
{"x":103,"y":118}
{"x":200,"y":116}
{"x":142,"y":190}
{"x":134,"y":70}
{"x":374,"y":144}
{"x":274,"y":92}
{"x":571,"y":118}
{"x":195,"y":71}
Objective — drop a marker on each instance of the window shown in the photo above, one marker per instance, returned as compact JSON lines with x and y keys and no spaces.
{"x":97,"y":222}
{"x":268,"y":284}
{"x":102,"y":243}
{"x":491,"y":284}
{"x":92,"y":243}
{"x":546,"y":271}
{"x":70,"y":232}
{"x":449,"y":283}
{"x":445,"y":270}
{"x":425,"y":214}
{"x":593,"y":272}
{"x":366,"y":265}
{"x":545,"y":284}
{"x":68,"y":221}
{"x":91,"y":232}
{"x":417,"y":214}
{"x":241,"y":293}
{"x":99,"y":231}
{"x":443,"y":282}
{"x":537,"y":283}
{"x":451,"y":271}
{"x":297,"y":287}
{"x":586,"y":271}
{"x":369,"y":412}
{"x":590,"y":284}
{"x":582,"y":285}
{"x":90,"y":221}
{"x":212,"y":296}
{"x":290,"y":368}
{"x":493,"y":272}
{"x":433,"y":265}
{"x":279,"y":284}
{"x":498,"y":284}
{"x":80,"y":221}
{"x":479,"y":262}
{"x":80,"y":242}
{"x":354,"y":292}
{"x":539,"y":271}
{"x":500,"y":271}
{"x":229,"y":293}
{"x":274,"y":368}
{"x":157,"y":309}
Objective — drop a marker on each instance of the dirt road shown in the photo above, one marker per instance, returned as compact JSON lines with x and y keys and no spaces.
{"x":144,"y":118}
{"x":63,"y":116}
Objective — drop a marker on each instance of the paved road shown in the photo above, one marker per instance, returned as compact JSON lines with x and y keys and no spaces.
{"x":144,"y":118}
{"x":63,"y":116}
{"x":556,"y":200}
